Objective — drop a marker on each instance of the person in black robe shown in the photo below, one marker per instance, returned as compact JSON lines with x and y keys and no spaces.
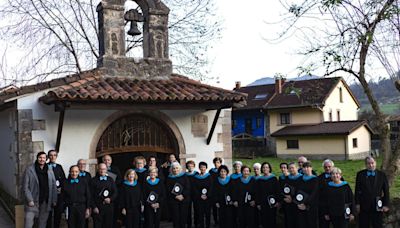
{"x":190,"y":173}
{"x":267,"y":196}
{"x":222,"y":196}
{"x":235,"y":178}
{"x":140,"y":169}
{"x":338,"y":206}
{"x":55,"y":215}
{"x":84,"y":176}
{"x":114,"y":173}
{"x":283,"y":179}
{"x":166,"y":166}
{"x":178,"y":190}
{"x":244,"y":198}
{"x":104,"y":193}
{"x":153,"y":197}
{"x":217,"y":161}
{"x":306,"y":198}
{"x":371,"y":195}
{"x":153,"y":163}
{"x":323,"y":180}
{"x":131,"y":199}
{"x":76,"y":195}
{"x":202,"y":188}
{"x":288,"y":190}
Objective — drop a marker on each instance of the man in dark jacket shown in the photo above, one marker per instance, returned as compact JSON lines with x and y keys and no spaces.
{"x":371,"y":195}
{"x":40,"y":193}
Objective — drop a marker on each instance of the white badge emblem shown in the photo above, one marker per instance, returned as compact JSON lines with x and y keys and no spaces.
{"x":57,"y":183}
{"x":204,"y":191}
{"x":105,"y":193}
{"x":152,"y":197}
{"x":348,"y":211}
{"x":177,"y":189}
{"x":272,"y":201}
{"x":228,"y":198}
{"x":248,"y":197}
{"x":286,"y":190}
{"x":299,"y":197}
{"x":380,"y":203}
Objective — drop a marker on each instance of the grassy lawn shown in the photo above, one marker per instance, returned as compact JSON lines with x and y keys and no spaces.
{"x":389,"y":109}
{"x":349,"y":170}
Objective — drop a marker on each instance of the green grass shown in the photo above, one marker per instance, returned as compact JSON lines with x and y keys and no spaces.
{"x":349,"y":170}
{"x":389,"y":109}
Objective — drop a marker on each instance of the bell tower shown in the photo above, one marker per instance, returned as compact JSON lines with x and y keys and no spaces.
{"x":112,"y":18}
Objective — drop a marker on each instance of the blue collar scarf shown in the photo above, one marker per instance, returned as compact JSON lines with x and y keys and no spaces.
{"x":235,"y":176}
{"x":224,"y":181}
{"x":291,"y":177}
{"x":191,"y":174}
{"x":126,"y":182}
{"x":214,"y":170}
{"x":52,"y":165}
{"x":155,"y":182}
{"x":327,"y":175}
{"x":74,"y":180}
{"x":332,"y":184}
{"x":140,"y":170}
{"x":82,"y":174}
{"x":282,"y":176}
{"x":246,"y":180}
{"x":307,"y":178}
{"x":371,"y":173}
{"x":176,"y":176}
{"x":103,"y":178}
{"x":198,"y":176}
{"x":271,"y":175}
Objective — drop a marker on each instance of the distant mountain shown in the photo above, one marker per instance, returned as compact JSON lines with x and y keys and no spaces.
{"x":271,"y":80}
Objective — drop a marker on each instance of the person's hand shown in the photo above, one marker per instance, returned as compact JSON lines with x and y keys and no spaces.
{"x":96,"y":210}
{"x":87,"y":213}
{"x":123,"y":211}
{"x":236,"y":204}
{"x":164,"y":165}
{"x":351,"y":218}
{"x":252,"y":203}
{"x":278,"y":205}
{"x":155,"y":205}
{"x":54,"y":204}
{"x":301,"y":206}
{"x":358,"y":208}
{"x":107,"y":200}
{"x":259,"y":207}
{"x":31,"y":204}
{"x":385,"y":209}
{"x":327,"y":218}
{"x":203,"y":197}
{"x":217,"y":205}
{"x":141,"y":208}
{"x":179,"y":197}
{"x":287,"y":199}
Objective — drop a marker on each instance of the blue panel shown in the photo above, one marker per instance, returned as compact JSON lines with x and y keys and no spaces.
{"x":240,"y":118}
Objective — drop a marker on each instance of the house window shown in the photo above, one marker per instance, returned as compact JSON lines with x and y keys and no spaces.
{"x":355,"y":143}
{"x":340,"y":95}
{"x":247,"y":126}
{"x":292,"y":144}
{"x":260,"y":96}
{"x":258,"y":122}
{"x":285,"y":118}
{"x":234,"y":124}
{"x":330,"y":116}
{"x":338,"y":115}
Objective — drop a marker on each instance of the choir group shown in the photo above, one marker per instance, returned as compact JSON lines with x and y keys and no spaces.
{"x":148,"y":192}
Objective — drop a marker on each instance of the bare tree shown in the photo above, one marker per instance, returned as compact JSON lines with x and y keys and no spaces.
{"x":354,"y":37}
{"x":55,"y":38}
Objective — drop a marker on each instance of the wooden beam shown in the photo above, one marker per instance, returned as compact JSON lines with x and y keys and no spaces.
{"x":60,"y":128}
{"x":210,"y":134}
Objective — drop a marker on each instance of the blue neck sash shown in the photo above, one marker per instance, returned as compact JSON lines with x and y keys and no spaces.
{"x":155,"y":182}
{"x":224,"y":181}
{"x":191,"y":174}
{"x":246,"y":180}
{"x":140,"y":170}
{"x":271,"y":175}
{"x":332,"y":184}
{"x":198,"y":176}
{"x":176,"y":176}
{"x":291,"y":177}
{"x":307,"y":178}
{"x":235,"y":176}
{"x":126,"y":182}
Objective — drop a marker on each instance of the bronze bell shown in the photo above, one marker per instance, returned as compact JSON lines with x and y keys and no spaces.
{"x":134,"y":31}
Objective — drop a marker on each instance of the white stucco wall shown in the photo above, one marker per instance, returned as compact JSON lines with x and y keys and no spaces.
{"x":81,"y":125}
{"x":7,"y":151}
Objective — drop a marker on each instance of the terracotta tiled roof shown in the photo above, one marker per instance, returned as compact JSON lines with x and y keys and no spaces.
{"x":257,"y":96}
{"x":174,"y":89}
{"x":326,"y":128}
{"x":303,"y":93}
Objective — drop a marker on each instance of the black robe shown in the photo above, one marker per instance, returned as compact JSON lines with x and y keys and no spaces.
{"x":77,"y":199}
{"x":202,"y":185}
{"x":245,"y":192}
{"x":152,"y":216}
{"x":131,"y":200}
{"x":267,"y":188}
{"x":179,"y":209}
{"x":308,"y":218}
{"x":223,"y":195}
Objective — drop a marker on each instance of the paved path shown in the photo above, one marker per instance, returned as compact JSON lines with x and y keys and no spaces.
{"x":5,"y":221}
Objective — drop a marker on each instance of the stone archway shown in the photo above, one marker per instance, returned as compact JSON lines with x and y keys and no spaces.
{"x":153,"y":116}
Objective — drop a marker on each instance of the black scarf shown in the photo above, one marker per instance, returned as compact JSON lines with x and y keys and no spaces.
{"x":43,"y":182}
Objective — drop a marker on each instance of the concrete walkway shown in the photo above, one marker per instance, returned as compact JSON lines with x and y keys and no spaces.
{"x":5,"y":221}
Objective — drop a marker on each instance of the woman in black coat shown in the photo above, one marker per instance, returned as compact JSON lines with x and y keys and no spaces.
{"x":222,"y":197}
{"x":153,"y":196}
{"x":338,"y":201}
{"x":131,"y":199}
{"x":267,"y":196}
{"x":178,"y":190}
{"x":76,"y":197}
{"x":244,"y":198}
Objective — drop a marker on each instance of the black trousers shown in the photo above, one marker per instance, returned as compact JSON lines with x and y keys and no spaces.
{"x":339,"y":222}
{"x":132,"y":218}
{"x":268,"y":216}
{"x":215,"y":214}
{"x":308,"y":218}
{"x":190,"y":214}
{"x":225,"y":215}
{"x":290,"y":211}
{"x":370,"y":218}
{"x":105,"y":218}
{"x":203,"y":213}
{"x":179,"y":213}
{"x":246,"y":216}
{"x":235,"y":218}
{"x":152,"y":217}
{"x":55,"y":214}
{"x":76,"y":216}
